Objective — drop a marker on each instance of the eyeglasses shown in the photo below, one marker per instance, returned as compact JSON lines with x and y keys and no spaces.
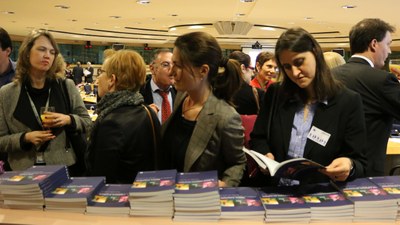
{"x":166,"y":64}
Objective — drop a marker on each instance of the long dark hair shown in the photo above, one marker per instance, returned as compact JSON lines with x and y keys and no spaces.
{"x":299,"y":40}
{"x":199,"y":48}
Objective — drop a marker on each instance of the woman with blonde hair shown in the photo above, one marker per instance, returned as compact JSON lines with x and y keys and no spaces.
{"x":124,"y":137}
{"x":333,"y":59}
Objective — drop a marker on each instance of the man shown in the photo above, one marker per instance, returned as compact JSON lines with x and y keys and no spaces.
{"x":159,"y":89}
{"x":89,"y":75}
{"x":7,"y":72}
{"x":370,"y":46}
{"x":77,"y":73}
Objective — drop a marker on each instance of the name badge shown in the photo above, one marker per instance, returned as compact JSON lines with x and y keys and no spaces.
{"x":318,"y":136}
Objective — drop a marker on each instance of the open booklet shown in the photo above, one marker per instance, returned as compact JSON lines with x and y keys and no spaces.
{"x":293,"y":169}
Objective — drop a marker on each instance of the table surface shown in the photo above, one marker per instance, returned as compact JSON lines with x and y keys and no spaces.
{"x":14,"y":216}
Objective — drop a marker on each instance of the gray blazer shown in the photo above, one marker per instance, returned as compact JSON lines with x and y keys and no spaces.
{"x":11,"y":129}
{"x":216,"y":142}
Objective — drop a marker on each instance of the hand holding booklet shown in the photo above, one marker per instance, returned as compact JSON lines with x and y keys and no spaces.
{"x":293,"y":169}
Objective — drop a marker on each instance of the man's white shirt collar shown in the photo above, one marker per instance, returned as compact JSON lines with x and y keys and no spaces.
{"x":365,"y":58}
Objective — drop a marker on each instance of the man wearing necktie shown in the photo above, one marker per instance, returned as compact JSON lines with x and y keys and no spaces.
{"x":159,"y":90}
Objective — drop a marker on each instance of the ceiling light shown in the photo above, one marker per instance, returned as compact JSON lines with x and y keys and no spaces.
{"x":247,"y":1}
{"x":349,"y":6}
{"x":61,"y":6}
{"x":240,"y":14}
{"x":308,"y":18}
{"x":268,"y":28}
{"x":172,"y":29}
{"x":143,"y":2}
{"x":115,"y":17}
{"x":8,"y":12}
{"x":196,"y":27}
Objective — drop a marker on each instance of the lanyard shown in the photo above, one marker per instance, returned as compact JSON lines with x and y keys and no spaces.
{"x":34,"y":108}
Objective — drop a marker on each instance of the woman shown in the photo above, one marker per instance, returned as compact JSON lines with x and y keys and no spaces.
{"x":123,"y":139}
{"x":204,"y":132}
{"x":26,"y":138}
{"x":308,"y":98}
{"x":266,"y":71}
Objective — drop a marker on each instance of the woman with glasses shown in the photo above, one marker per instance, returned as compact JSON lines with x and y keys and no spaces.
{"x":124,"y":137}
{"x":310,"y":114}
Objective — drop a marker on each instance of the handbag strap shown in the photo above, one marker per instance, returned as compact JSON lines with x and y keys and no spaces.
{"x":154,"y":135}
{"x":255,"y":93}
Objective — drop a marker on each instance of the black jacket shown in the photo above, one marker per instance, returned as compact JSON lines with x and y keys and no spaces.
{"x":380,"y":93}
{"x":122,"y":145}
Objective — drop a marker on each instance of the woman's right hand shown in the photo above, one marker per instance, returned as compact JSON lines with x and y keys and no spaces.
{"x":266,"y":171}
{"x":39,"y":137}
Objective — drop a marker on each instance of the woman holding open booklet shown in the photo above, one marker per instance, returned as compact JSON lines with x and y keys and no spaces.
{"x":310,"y":115}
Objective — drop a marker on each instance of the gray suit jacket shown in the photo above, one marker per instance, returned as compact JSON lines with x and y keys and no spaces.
{"x":11,"y":129}
{"x":216,"y":142}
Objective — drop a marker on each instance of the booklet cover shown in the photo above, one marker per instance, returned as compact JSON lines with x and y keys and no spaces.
{"x":196,"y":182}
{"x":293,"y":169}
{"x":111,"y":195}
{"x":76,"y":188}
{"x":153,"y":181}
{"x":240,"y":200}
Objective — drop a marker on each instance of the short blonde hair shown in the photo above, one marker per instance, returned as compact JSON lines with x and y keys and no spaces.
{"x":333,"y":59}
{"x":129,"y":69}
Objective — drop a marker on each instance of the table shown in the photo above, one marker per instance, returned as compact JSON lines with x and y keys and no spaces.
{"x":14,"y":216}
{"x":393,"y":147}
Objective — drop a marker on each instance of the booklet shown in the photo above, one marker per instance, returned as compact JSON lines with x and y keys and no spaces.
{"x":292,"y":168}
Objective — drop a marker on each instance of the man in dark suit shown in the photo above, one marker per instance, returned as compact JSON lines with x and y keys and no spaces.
{"x":370,"y":46}
{"x":89,"y":76}
{"x":159,"y":88}
{"x":77,"y":72}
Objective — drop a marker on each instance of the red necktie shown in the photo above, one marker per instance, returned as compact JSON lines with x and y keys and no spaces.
{"x":165,"y":106}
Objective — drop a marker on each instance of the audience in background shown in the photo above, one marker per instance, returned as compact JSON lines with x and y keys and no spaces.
{"x":247,"y":98}
{"x":77,"y":73}
{"x":370,"y":46}
{"x":89,"y":75}
{"x":204,"y":131}
{"x":159,"y":91}
{"x":125,"y":135}
{"x":266,"y":70}
{"x":333,"y":59}
{"x":26,"y":137}
{"x":7,"y":72}
{"x":310,"y":103}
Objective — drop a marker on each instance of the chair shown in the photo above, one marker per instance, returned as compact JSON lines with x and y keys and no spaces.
{"x":391,"y":172}
{"x":248,"y":124}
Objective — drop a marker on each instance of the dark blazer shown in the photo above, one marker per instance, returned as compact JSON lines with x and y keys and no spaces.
{"x":148,"y":93}
{"x":122,"y":145}
{"x":77,"y":72}
{"x":245,"y":101}
{"x":380,"y":93}
{"x":342,"y":118}
{"x":216,"y":142}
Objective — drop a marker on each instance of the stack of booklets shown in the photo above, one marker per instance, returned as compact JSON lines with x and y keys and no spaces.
{"x":26,"y":189}
{"x":284,"y":205}
{"x":74,"y":194}
{"x":241,"y":203}
{"x":328,"y":204}
{"x":371,"y":202}
{"x":197,"y":197}
{"x":391,"y":184}
{"x":151,"y":193}
{"x":112,"y":200}
{"x":3,"y":177}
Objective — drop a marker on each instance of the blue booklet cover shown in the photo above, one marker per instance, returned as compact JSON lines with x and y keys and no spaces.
{"x":196,"y":182}
{"x":240,"y":199}
{"x":151,"y":181}
{"x":111,"y":195}
{"x":362,"y":189}
{"x":37,"y":176}
{"x":77,"y":188}
{"x":391,"y":184}
{"x":282,"y":198}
